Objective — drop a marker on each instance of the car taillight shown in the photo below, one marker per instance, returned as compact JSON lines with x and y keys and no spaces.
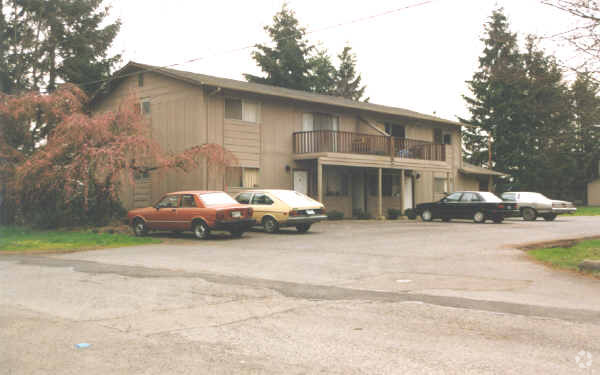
{"x":294,"y":213}
{"x":501,"y":206}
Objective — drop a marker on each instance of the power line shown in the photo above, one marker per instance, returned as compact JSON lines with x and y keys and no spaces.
{"x":358,"y":20}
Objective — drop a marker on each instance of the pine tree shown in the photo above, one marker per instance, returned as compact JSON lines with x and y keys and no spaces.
{"x":498,"y":88}
{"x":48,"y":42}
{"x":347,"y":81}
{"x":288,"y":63}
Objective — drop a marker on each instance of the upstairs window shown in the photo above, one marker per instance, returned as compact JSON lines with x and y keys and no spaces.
{"x":140,"y":79}
{"x":447,"y":139}
{"x":319,"y":121}
{"x":238,"y":109}
{"x":437,"y":136}
{"x":394,"y":130}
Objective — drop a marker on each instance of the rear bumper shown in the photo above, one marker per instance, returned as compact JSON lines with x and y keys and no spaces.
{"x":563,"y":210}
{"x":235,"y":225}
{"x":292,"y":221}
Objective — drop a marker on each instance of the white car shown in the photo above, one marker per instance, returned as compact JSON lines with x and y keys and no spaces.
{"x":532,"y":205}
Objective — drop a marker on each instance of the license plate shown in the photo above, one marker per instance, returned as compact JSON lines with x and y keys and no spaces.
{"x":236,"y":214}
{"x":310,"y":212}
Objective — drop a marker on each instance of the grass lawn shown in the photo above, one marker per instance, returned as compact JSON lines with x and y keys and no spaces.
{"x":587,"y":211}
{"x":568,"y":257}
{"x":22,"y":239}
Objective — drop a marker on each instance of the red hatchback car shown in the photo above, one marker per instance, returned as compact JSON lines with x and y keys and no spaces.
{"x":196,"y":211}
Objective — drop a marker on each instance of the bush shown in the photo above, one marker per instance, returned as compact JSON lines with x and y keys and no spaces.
{"x":335,"y":215}
{"x":410,"y":213}
{"x":360,"y":214}
{"x":393,"y":213}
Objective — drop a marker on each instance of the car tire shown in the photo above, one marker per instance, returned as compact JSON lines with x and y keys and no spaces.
{"x":549,"y":217}
{"x":201,"y":231}
{"x":498,"y":220}
{"x":236,"y":233}
{"x":302,"y":228}
{"x":427,"y":215}
{"x":271,"y":225}
{"x":479,"y":217}
{"x":446,"y":219}
{"x":529,"y":214}
{"x":139,"y":228}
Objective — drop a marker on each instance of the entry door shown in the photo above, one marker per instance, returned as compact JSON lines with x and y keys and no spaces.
{"x":407,"y":192}
{"x":301,"y":182}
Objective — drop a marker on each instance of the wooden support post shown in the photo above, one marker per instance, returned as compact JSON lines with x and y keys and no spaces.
{"x":380,"y":199}
{"x":320,"y":180}
{"x":402,"y":204}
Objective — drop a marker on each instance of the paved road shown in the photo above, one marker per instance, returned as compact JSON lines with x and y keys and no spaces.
{"x":348,"y":297}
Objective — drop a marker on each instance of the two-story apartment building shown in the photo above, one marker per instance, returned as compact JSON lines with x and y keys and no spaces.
{"x":352,"y":156}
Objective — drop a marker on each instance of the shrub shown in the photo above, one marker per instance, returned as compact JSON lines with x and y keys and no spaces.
{"x":393,"y":213}
{"x":410,"y":213}
{"x":335,"y":215}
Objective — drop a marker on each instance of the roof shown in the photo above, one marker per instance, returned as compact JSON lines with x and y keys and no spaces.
{"x":281,"y":92}
{"x":468,"y":168}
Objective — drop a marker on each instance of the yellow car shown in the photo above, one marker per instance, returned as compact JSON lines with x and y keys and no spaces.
{"x":274,"y":209}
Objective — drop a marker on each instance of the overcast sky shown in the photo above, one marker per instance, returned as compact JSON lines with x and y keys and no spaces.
{"x":417,"y":58}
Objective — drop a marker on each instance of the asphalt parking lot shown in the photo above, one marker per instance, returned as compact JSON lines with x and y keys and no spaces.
{"x":348,"y":297}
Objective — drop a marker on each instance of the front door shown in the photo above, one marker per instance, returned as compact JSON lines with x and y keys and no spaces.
{"x":407,"y":193}
{"x":301,"y":182}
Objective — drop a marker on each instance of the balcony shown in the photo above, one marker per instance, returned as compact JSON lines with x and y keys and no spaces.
{"x":321,"y":141}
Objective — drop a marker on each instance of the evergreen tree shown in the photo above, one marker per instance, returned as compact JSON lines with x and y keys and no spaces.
{"x":48,"y":42}
{"x":498,"y":88}
{"x":322,"y":73}
{"x":347,"y":81}
{"x":288,"y":63}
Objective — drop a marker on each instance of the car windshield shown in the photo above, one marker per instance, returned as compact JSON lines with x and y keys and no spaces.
{"x":294,"y":199}
{"x":216,"y":199}
{"x":489,"y":197}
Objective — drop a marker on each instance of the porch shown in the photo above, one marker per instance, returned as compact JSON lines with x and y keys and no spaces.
{"x":333,"y":141}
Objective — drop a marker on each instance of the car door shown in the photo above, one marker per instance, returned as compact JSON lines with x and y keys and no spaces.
{"x":187,"y":210}
{"x":469,"y":204}
{"x":164,"y":215}
{"x":262,"y":205}
{"x":449,"y":206}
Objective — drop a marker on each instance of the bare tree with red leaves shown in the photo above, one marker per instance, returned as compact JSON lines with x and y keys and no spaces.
{"x":56,"y":159}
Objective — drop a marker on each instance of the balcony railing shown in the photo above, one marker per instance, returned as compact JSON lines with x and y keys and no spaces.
{"x":356,"y":143}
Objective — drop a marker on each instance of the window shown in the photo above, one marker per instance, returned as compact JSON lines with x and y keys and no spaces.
{"x":454,"y":197}
{"x":395,"y":130}
{"x":170,"y":201}
{"x":440,"y":185}
{"x":140,"y":79}
{"x":244,"y":198}
{"x":145,"y":107}
{"x":241,"y":177}
{"x":390,"y":185}
{"x":336,"y":182}
{"x":509,"y":196}
{"x":262,"y":199}
{"x":187,"y":201}
{"x":447,"y":139}
{"x":437,"y":136}
{"x":319,"y":121}
{"x":470,"y":197}
{"x":238,"y":109}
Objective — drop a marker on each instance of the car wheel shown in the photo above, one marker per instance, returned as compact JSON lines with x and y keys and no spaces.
{"x":427,"y":215}
{"x":479,"y":217}
{"x":271,"y":225}
{"x":236,"y":233}
{"x":303,"y":228}
{"x":529,"y":214}
{"x":498,"y":220}
{"x":550,"y":217}
{"x":446,"y":219}
{"x":139,"y":228}
{"x":200,"y":230}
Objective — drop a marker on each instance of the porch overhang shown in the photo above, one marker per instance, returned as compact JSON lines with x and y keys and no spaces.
{"x":470,"y":169}
{"x":374,"y":161}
